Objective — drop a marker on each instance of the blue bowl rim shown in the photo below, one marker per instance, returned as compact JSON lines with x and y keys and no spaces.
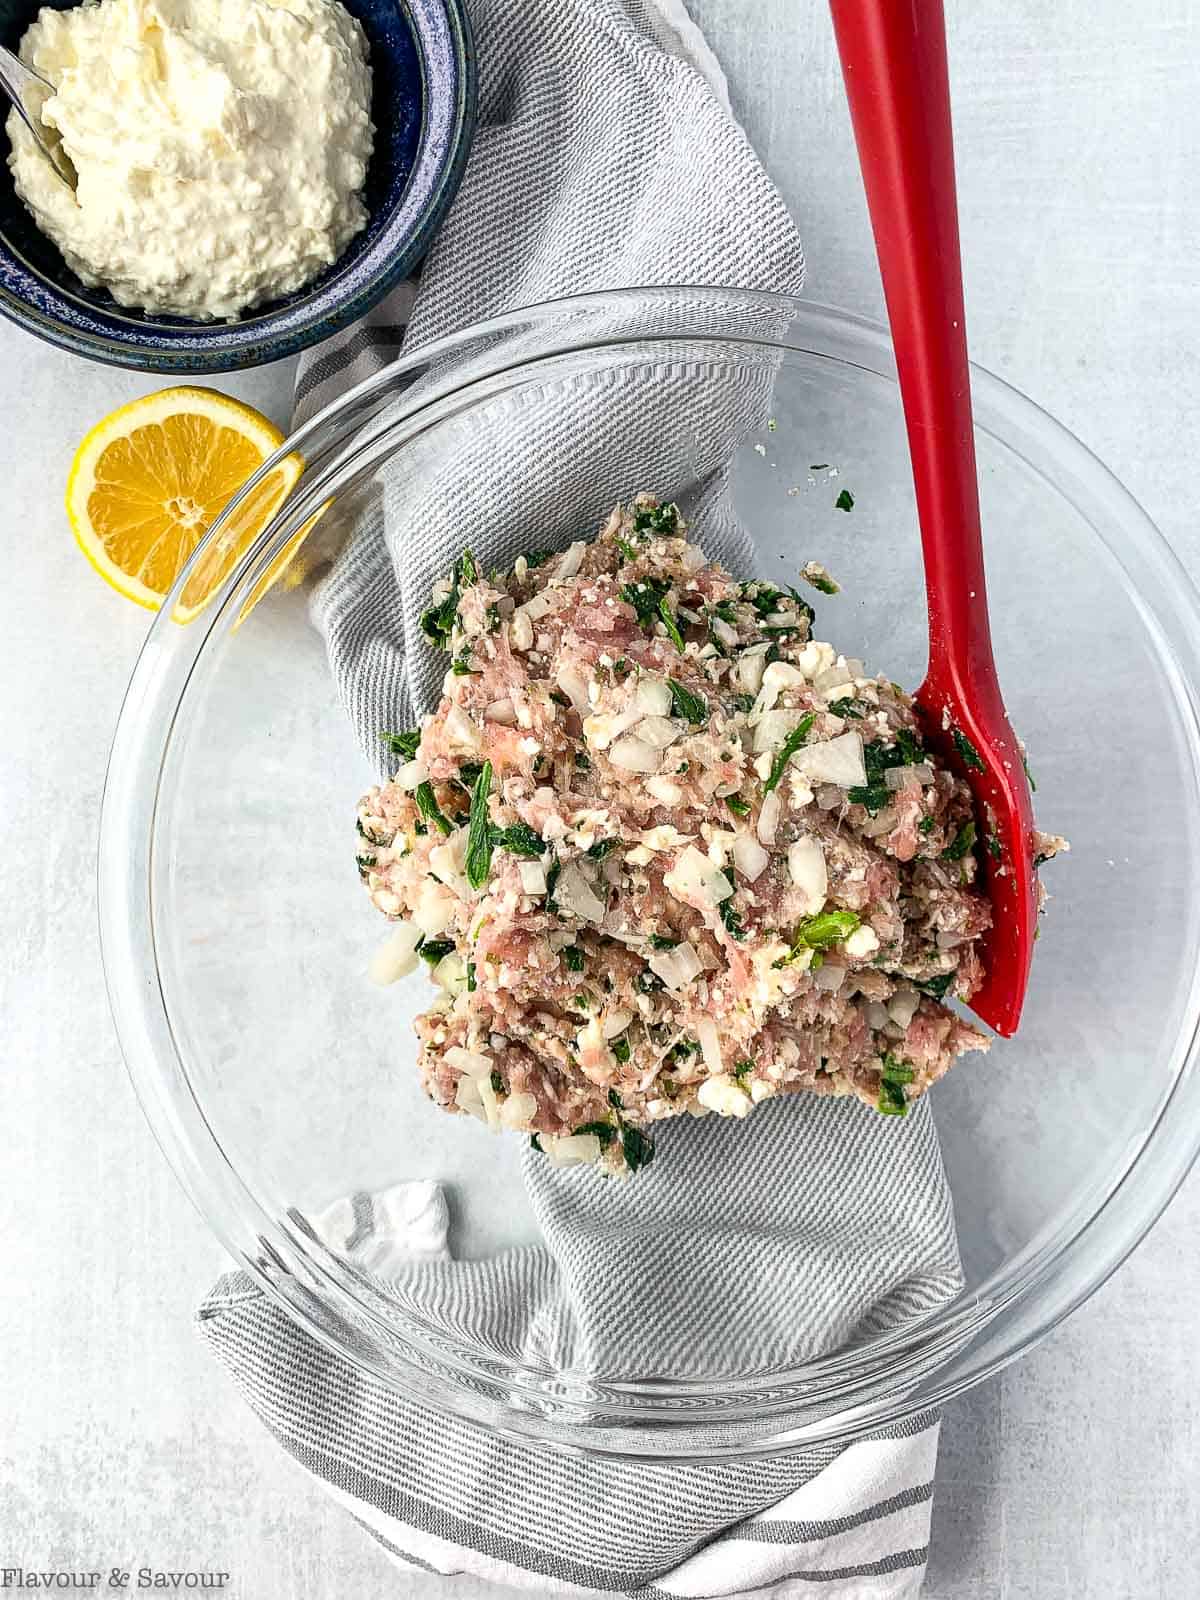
{"x":445,"y":47}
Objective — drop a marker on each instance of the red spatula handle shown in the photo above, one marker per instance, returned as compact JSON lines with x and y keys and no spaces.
{"x":894,"y":62}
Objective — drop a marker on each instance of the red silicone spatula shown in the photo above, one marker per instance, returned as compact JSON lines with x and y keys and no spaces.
{"x":894,"y":62}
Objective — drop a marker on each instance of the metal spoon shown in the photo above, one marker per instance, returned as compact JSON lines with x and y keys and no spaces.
{"x":28,"y":90}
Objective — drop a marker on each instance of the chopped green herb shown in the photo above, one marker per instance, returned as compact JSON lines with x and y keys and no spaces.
{"x":551,"y":885}
{"x":963,"y":840}
{"x":691,"y":707}
{"x":364,"y":863}
{"x":602,"y":848}
{"x":478,"y":863}
{"x":647,"y":981}
{"x":428,"y":807}
{"x":626,"y":549}
{"x":926,"y":825}
{"x":872,"y":795}
{"x":638,"y":1150}
{"x":970,"y":756}
{"x":681,"y":768}
{"x":725,"y":610}
{"x":820,"y":579}
{"x":621,"y":1048}
{"x":403,"y":744}
{"x":909,"y":746}
{"x":671,"y":625}
{"x":844,"y":501}
{"x":615,"y":1101}
{"x":492,"y":617}
{"x":743,"y":703}
{"x":497,"y":1083}
{"x":827,"y":928}
{"x":519,"y":840}
{"x":938,"y":986}
{"x":466,"y":570}
{"x":535,"y":1143}
{"x":790,"y":745}
{"x":461,"y":665}
{"x":846,"y":708}
{"x":645,"y":597}
{"x":432,"y":950}
{"x":1028,"y":774}
{"x":620,"y":669}
{"x":604,"y":1131}
{"x":732,"y":920}
{"x":740,"y":808}
{"x":420,"y":829}
{"x":743,"y":1068}
{"x":467,"y":774}
{"x":560,"y":699}
{"x":573,"y":956}
{"x":993,"y":847}
{"x":582,"y":762}
{"x":658,"y":942}
{"x":656,"y":519}
{"x":470,"y":977}
{"x":583,"y":999}
{"x":437,"y":623}
{"x":896,"y":1071}
{"x":892,"y":1102}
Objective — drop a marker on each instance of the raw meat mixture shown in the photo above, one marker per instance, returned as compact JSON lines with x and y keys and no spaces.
{"x":666,"y":854}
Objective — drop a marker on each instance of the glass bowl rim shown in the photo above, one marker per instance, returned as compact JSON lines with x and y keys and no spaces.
{"x":888,"y":1383}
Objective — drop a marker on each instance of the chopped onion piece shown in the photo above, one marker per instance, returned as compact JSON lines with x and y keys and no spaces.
{"x":461,"y":732}
{"x":748,"y":668}
{"x":829,"y":977}
{"x":467,"y":1098}
{"x":411,"y":775}
{"x":434,"y":910}
{"x":471,"y":1062}
{"x":574,"y":687}
{"x":615,"y":1022}
{"x":397,"y":956}
{"x":535,"y":607}
{"x":502,"y":711}
{"x":914,"y":777}
{"x":657,"y":731}
{"x":774,"y":727}
{"x":653,"y":697}
{"x":450,"y":973}
{"x":876,"y":1014}
{"x":575,"y":894}
{"x":768,"y":817}
{"x":518,"y":1111}
{"x":675,"y":967}
{"x":749,"y":857}
{"x":664,"y":790}
{"x":569,"y":563}
{"x":806,"y":866}
{"x":533,"y":877}
{"x":724,"y":631}
{"x":521,"y":630}
{"x":632,"y":754}
{"x":575,"y":1150}
{"x":902,"y":1007}
{"x":837,"y":760}
{"x":710,"y":1044}
{"x":693,"y":558}
{"x":694,"y":880}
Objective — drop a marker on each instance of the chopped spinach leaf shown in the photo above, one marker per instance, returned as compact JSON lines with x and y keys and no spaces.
{"x":428,"y":807}
{"x":604,"y":1131}
{"x":552,"y":884}
{"x":657,"y":942}
{"x":637,"y":1149}
{"x":519,"y":840}
{"x":743,"y":703}
{"x":647,"y":982}
{"x":827,"y":928}
{"x":615,"y":1101}
{"x":926,"y":825}
{"x":938,"y":986}
{"x":743,"y":1068}
{"x":478,"y":863}
{"x":573,"y":956}
{"x":691,"y":707}
{"x":621,"y":1048}
{"x":470,"y":977}
{"x":461,"y":665}
{"x":790,"y":745}
{"x":437,"y":622}
{"x":364,"y":863}
{"x":846,"y":708}
{"x":970,"y":756}
{"x":896,"y":1071}
{"x":993,"y":847}
{"x":740,"y":808}
{"x":535,"y":1143}
{"x":892,"y":1102}
{"x":732,"y":920}
{"x":403,"y":744}
{"x":602,"y":848}
{"x":466,"y":570}
{"x":1028,"y":774}
{"x":497,"y":1083}
{"x":669,"y":623}
{"x":963,"y":841}
{"x":844,"y":501}
{"x":656,"y":519}
{"x":433,"y":950}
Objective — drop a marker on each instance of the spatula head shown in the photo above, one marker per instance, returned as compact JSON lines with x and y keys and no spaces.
{"x":976,"y":740}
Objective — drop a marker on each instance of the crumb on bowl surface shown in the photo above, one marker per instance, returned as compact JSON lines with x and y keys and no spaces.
{"x":667,"y":854}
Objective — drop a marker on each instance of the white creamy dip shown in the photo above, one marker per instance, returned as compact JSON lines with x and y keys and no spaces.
{"x":221,"y":146}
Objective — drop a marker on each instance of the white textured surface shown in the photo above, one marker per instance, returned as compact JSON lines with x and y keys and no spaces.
{"x":1070,"y":1478}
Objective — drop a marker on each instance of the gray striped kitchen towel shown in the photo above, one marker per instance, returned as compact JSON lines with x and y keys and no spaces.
{"x":606,"y":156}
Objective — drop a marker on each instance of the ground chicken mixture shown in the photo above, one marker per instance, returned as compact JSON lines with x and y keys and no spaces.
{"x":666,"y":854}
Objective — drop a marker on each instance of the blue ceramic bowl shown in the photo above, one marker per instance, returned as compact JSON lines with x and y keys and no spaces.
{"x":423,"y":107}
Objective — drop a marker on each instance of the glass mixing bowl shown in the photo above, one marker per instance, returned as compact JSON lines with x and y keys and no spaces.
{"x":236,"y":935}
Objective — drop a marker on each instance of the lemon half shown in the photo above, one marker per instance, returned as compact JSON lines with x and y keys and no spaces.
{"x":149,"y":482}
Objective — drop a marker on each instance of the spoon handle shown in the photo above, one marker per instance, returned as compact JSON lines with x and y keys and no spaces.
{"x":27,"y":90}
{"x":894,"y":62}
